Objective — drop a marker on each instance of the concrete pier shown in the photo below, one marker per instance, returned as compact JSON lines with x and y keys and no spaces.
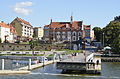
{"x":9,"y":72}
{"x":88,"y":64}
{"x":37,"y":65}
{"x":26,"y":69}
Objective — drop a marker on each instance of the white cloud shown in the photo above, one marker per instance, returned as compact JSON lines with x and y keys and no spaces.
{"x":21,"y":8}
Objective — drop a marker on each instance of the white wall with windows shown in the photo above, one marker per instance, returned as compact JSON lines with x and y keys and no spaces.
{"x":4,"y":32}
{"x":27,"y":30}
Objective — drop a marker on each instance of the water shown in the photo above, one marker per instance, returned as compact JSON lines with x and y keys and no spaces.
{"x":109,"y":71}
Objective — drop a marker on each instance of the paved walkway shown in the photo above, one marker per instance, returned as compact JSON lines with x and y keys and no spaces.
{"x":8,"y":72}
{"x":79,"y":58}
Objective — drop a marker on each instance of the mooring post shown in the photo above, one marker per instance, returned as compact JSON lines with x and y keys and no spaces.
{"x":29,"y":66}
{"x":43,"y":61}
{"x":54,"y":57}
{"x":3,"y":64}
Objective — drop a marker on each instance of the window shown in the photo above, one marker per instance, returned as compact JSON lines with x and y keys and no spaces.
{"x":74,"y":34}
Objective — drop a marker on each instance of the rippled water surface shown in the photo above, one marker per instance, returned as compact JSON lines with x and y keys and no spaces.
{"x":109,"y":71}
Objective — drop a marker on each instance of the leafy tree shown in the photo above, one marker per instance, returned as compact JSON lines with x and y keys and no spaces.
{"x":116,"y":45}
{"x":98,"y":33}
{"x":112,"y":35}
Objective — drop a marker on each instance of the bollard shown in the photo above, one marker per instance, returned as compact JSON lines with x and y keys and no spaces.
{"x":2,"y":64}
{"x":43,"y":61}
{"x":29,"y":66}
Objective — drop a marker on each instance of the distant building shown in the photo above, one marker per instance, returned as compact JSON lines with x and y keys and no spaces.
{"x":67,"y":31}
{"x":7,"y":33}
{"x":38,"y":33}
{"x":63,"y":31}
{"x":92,"y":35}
{"x":13,"y":34}
{"x":23,"y":28}
{"x":87,"y":32}
{"x":4,"y":32}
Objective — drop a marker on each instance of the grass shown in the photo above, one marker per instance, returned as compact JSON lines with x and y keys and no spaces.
{"x":68,"y":51}
{"x":51,"y":55}
{"x":24,"y":43}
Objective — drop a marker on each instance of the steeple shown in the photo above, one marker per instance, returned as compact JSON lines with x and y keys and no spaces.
{"x":50,"y":21}
{"x":71,"y":18}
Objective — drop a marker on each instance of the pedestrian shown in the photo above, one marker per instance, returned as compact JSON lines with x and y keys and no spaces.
{"x":97,"y":62}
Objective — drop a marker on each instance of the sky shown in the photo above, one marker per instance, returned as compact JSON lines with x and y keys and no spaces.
{"x":97,"y":13}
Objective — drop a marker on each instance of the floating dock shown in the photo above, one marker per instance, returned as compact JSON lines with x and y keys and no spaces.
{"x":84,"y":63}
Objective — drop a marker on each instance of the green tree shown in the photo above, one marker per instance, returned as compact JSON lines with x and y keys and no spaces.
{"x":98,"y":33}
{"x":112,"y":35}
{"x":116,"y":45}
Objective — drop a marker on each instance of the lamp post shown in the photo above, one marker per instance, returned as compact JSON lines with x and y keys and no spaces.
{"x":103,"y":39}
{"x":70,"y":39}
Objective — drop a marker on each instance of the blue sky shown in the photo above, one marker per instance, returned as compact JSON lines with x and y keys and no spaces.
{"x":39,"y":12}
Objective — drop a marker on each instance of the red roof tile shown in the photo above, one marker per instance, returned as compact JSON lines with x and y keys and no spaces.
{"x":75,"y":24}
{"x":2,"y":24}
{"x":19,"y":19}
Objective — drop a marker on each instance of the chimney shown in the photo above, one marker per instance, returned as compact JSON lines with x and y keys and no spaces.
{"x":2,"y":21}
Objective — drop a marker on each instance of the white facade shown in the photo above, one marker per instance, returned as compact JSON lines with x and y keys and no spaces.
{"x":4,"y":32}
{"x":8,"y":32}
{"x":27,"y":30}
{"x":38,"y":31}
{"x":12,"y":37}
{"x":92,"y":34}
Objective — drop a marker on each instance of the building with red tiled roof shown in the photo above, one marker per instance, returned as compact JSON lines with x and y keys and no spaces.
{"x":66,"y":31}
{"x":23,"y":28}
{"x":63,"y":31}
{"x":2,"y":24}
{"x":4,"y":32}
{"x":23,"y":21}
{"x":7,"y":32}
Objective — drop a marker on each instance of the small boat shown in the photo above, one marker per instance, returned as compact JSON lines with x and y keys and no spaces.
{"x":42,"y":59}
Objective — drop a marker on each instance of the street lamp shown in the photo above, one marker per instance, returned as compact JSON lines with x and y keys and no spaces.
{"x":103,"y":39}
{"x":70,"y":38}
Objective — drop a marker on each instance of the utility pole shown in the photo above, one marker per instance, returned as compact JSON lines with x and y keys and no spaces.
{"x":71,"y":31}
{"x":50,"y":40}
